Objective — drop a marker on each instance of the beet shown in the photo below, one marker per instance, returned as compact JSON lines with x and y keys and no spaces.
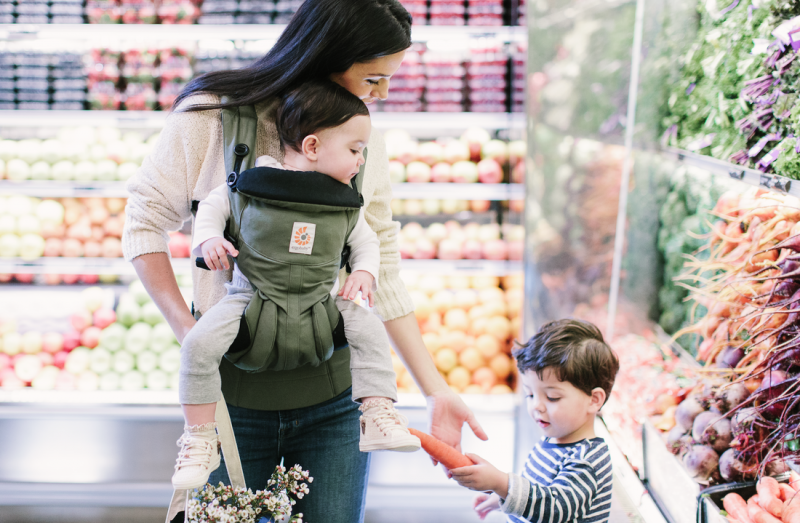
{"x":729,"y":357}
{"x":711,"y":429}
{"x":786,"y":288}
{"x":732,"y":396}
{"x":701,"y":462}
{"x":776,"y":466}
{"x":687,"y":412}
{"x":742,"y":422}
{"x":730,"y":467}
{"x":676,"y":439}
{"x":774,"y":384}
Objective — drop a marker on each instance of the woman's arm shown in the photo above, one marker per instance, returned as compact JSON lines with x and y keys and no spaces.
{"x":155,"y":271}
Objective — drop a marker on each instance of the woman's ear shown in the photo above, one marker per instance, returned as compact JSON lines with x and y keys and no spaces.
{"x":310,"y":146}
{"x":598,"y":399}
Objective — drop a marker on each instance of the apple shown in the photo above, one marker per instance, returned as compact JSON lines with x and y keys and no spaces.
{"x":78,"y":360}
{"x":418,"y":172}
{"x":464,"y":172}
{"x":115,"y":205}
{"x":122,"y":362}
{"x":93,"y":298}
{"x":12,"y":343}
{"x":9,"y":246}
{"x":516,"y":249}
{"x":157,"y":380}
{"x":179,"y":245}
{"x":517,"y":149}
{"x":92,"y":249}
{"x":456,"y":151}
{"x":128,"y":312}
{"x":90,"y":337}
{"x":112,"y":337}
{"x":18,"y":170}
{"x":85,"y":171}
{"x":406,"y":151}
{"x":60,"y":358}
{"x":475,"y":137}
{"x":496,"y":150}
{"x":518,"y":173}
{"x":436,"y":232}
{"x":10,"y":381}
{"x":132,"y":380}
{"x":431,"y":207}
{"x":100,"y":360}
{"x":51,"y":150}
{"x":449,"y":250}
{"x":162,"y":337}
{"x":489,"y":171}
{"x":89,"y":279}
{"x":28,"y":224}
{"x":31,"y":247}
{"x":50,"y":211}
{"x":52,"y":342}
{"x":146,"y":361}
{"x":397,"y":207}
{"x":111,"y":248}
{"x":46,"y":379}
{"x":451,"y":206}
{"x":72,"y":339}
{"x":126,"y":170}
{"x":151,"y":314}
{"x":513,"y":232}
{"x":407,"y":249}
{"x":46,"y":357}
{"x":412,"y":207}
{"x":472,"y":250}
{"x":430,"y":152}
{"x":426,"y":250}
{"x":66,"y":381}
{"x":170,"y":360}
{"x":109,"y":381}
{"x":80,"y":320}
{"x":63,"y":171}
{"x":5,"y":361}
{"x":52,"y":247}
{"x":137,"y":338}
{"x":495,"y":250}
{"x":8,"y":224}
{"x":397,"y":172}
{"x":5,"y":278}
{"x":72,"y":248}
{"x":412,"y":231}
{"x":87,"y":381}
{"x":106,"y":170}
{"x":394,"y":139}
{"x":114,"y":226}
{"x":40,"y":171}
{"x":441,"y":173}
{"x":102,"y":318}
{"x":138,"y":292}
{"x":27,"y":367}
{"x":489,"y":231}
{"x":24,"y":278}
{"x":32,"y":342}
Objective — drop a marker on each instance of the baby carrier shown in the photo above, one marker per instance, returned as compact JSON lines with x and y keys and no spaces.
{"x":290,"y":229}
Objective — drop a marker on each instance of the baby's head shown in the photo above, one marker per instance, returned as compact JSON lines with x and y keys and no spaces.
{"x":323,"y":127}
{"x":567,"y":372}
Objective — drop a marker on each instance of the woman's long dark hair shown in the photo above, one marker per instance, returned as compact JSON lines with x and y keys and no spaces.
{"x":323,"y":37}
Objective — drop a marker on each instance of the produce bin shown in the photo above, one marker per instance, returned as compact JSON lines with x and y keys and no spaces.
{"x":709,"y":503}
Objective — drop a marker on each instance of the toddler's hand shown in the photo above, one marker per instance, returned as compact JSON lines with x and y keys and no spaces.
{"x":486,"y":503}
{"x":215,"y":253}
{"x":358,"y":281}
{"x":483,"y":476}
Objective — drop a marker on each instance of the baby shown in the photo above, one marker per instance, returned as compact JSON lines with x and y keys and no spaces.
{"x":567,"y":372}
{"x":322,"y":128}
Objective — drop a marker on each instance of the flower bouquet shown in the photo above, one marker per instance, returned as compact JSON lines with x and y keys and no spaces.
{"x":224,"y":504}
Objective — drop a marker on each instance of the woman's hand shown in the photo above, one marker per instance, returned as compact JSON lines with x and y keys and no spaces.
{"x":485,"y":503}
{"x":447,"y":413}
{"x":482,"y":476}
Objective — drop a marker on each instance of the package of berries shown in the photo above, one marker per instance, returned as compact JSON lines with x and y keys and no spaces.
{"x":103,"y":12}
{"x":178,"y":12}
{"x":104,"y":96}
{"x":138,"y":12}
{"x":140,"y":97}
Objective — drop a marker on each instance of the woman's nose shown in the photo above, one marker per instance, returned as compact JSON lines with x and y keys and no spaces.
{"x":381,"y":91}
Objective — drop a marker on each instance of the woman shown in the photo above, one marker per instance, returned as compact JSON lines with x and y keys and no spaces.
{"x":304,"y":416}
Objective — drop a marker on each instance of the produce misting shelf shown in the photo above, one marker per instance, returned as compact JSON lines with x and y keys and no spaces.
{"x":118,"y":266}
{"x":236,"y":32}
{"x":443,"y":191}
{"x":773,"y":182}
{"x":417,"y":122}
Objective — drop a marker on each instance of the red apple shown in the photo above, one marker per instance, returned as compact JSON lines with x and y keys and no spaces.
{"x":46,"y":357}
{"x":489,"y":171}
{"x":441,"y":173}
{"x":72,"y":339}
{"x":90,"y":337}
{"x":9,"y":380}
{"x":103,"y":318}
{"x":407,"y":249}
{"x":92,"y":249}
{"x":113,"y":227}
{"x":472,"y":250}
{"x":52,"y":247}
{"x":59,"y":358}
{"x":179,"y":245}
{"x":495,"y":149}
{"x":426,"y":250}
{"x":111,"y":247}
{"x":71,"y":248}
{"x":89,"y":279}
{"x":80,"y":320}
{"x":53,"y":230}
{"x":5,"y":278}
{"x":70,"y":279}
{"x":418,"y":172}
{"x":475,"y":137}
{"x":66,"y":381}
{"x":518,"y":173}
{"x":516,"y":151}
{"x":5,"y":361}
{"x":479,"y":205}
{"x":516,"y":249}
{"x":517,"y":205}
{"x":52,"y":279}
{"x":464,"y":172}
{"x":98,"y":214}
{"x":24,"y":278}
{"x":430,"y":152}
{"x":452,"y":225}
{"x":495,"y":250}
{"x":52,"y":342}
{"x":449,"y":249}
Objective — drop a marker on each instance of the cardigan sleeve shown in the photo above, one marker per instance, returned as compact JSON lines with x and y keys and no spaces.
{"x":161,"y":191}
{"x":392,"y":298}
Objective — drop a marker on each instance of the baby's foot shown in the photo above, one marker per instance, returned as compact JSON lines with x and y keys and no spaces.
{"x":383,"y":428}
{"x":198,"y":457}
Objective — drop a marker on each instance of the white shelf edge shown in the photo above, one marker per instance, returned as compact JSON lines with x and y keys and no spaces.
{"x":773,"y":182}
{"x":242,"y":32}
{"x":54,"y":189}
{"x":118,"y":266}
{"x":459,"y":191}
{"x":420,"y":121}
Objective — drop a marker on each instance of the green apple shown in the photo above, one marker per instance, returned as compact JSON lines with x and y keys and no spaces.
{"x":122,"y":362}
{"x":156,"y":380}
{"x":128,"y":312}
{"x":50,"y":211}
{"x":146,"y":361}
{"x":88,"y":381}
{"x":151,"y":314}
{"x":162,"y":337}
{"x":109,"y":381}
{"x":31,"y":246}
{"x":137,"y":290}
{"x":170,"y":360}
{"x":12,"y":343}
{"x":78,"y":360}
{"x":46,"y":379}
{"x":137,"y":339}
{"x":133,"y":380}
{"x":63,"y":171}
{"x":112,"y":338}
{"x":27,"y":367}
{"x":32,"y":342}
{"x":100,"y":360}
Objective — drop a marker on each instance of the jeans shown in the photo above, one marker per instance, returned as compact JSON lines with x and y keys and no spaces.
{"x":322,"y":439}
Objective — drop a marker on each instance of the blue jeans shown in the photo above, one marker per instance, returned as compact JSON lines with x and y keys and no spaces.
{"x":322,"y":439}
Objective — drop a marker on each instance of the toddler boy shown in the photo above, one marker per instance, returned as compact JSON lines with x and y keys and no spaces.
{"x":567,"y":372}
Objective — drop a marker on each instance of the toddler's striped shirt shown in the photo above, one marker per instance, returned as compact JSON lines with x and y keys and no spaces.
{"x":562,"y":483}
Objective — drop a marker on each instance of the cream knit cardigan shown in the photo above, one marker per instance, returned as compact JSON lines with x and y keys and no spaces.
{"x":187,"y":163}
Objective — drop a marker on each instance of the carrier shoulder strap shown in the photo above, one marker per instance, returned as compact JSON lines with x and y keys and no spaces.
{"x":239,"y":128}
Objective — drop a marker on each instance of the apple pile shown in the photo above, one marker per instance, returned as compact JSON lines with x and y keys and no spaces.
{"x":128,"y":349}
{"x":475,"y":157}
{"x":452,"y":241}
{"x":467,"y":324}
{"x":70,"y":227}
{"x":84,"y":154}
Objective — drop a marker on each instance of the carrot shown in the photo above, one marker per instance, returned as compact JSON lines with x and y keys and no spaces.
{"x":791,"y":510}
{"x":769,"y":492}
{"x":752,"y":507}
{"x":758,"y":514}
{"x":441,"y":451}
{"x":794,"y":479}
{"x":736,"y":507}
{"x":787,"y":492}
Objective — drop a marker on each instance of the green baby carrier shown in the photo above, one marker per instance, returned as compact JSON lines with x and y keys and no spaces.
{"x":290,"y":229}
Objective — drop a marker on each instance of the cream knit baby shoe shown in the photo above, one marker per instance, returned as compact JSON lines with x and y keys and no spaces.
{"x":383,"y":428}
{"x":198,"y":457}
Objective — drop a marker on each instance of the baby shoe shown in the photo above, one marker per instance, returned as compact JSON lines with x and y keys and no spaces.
{"x":383,"y":428}
{"x":198,"y":457}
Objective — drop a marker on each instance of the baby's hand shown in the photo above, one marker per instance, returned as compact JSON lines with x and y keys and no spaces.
{"x":358,"y":281}
{"x":485,"y":503}
{"x":482,"y":476}
{"x":215,"y":253}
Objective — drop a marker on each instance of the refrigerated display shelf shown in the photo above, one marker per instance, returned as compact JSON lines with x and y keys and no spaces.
{"x":417,"y":122}
{"x":773,"y":182}
{"x":61,"y":265}
{"x":243,"y":32}
{"x":571,"y":12}
{"x":436,"y":191}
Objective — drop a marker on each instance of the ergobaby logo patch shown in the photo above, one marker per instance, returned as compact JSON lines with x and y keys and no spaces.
{"x":302,"y":238}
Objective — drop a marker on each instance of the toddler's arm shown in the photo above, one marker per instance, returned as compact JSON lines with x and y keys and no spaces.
{"x":208,"y":240}
{"x":365,"y":259}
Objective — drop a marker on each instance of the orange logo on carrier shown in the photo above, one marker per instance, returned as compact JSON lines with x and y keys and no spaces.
{"x":302,"y":239}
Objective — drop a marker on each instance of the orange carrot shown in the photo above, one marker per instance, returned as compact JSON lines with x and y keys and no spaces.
{"x":769,"y":492}
{"x":441,"y":451}
{"x":791,"y":510}
{"x":787,"y":492}
{"x":794,"y":479}
{"x":758,"y":514}
{"x":736,"y":507}
{"x":752,"y":507}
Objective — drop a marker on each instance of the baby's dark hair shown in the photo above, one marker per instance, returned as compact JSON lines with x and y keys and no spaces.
{"x":314,"y":106}
{"x":575,"y":351}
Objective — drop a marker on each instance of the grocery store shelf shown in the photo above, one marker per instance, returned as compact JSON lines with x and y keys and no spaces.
{"x":54,"y":189}
{"x":418,"y":122}
{"x":459,"y":191}
{"x":580,"y":8}
{"x":61,"y":265}
{"x":148,"y":494}
{"x":753,"y":177}
{"x":240,"y":32}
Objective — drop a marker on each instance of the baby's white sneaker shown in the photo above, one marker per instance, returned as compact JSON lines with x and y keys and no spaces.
{"x":383,"y":428}
{"x":198,"y":457}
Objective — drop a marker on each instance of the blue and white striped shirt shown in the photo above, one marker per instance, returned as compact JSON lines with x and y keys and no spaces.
{"x":562,"y":483}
